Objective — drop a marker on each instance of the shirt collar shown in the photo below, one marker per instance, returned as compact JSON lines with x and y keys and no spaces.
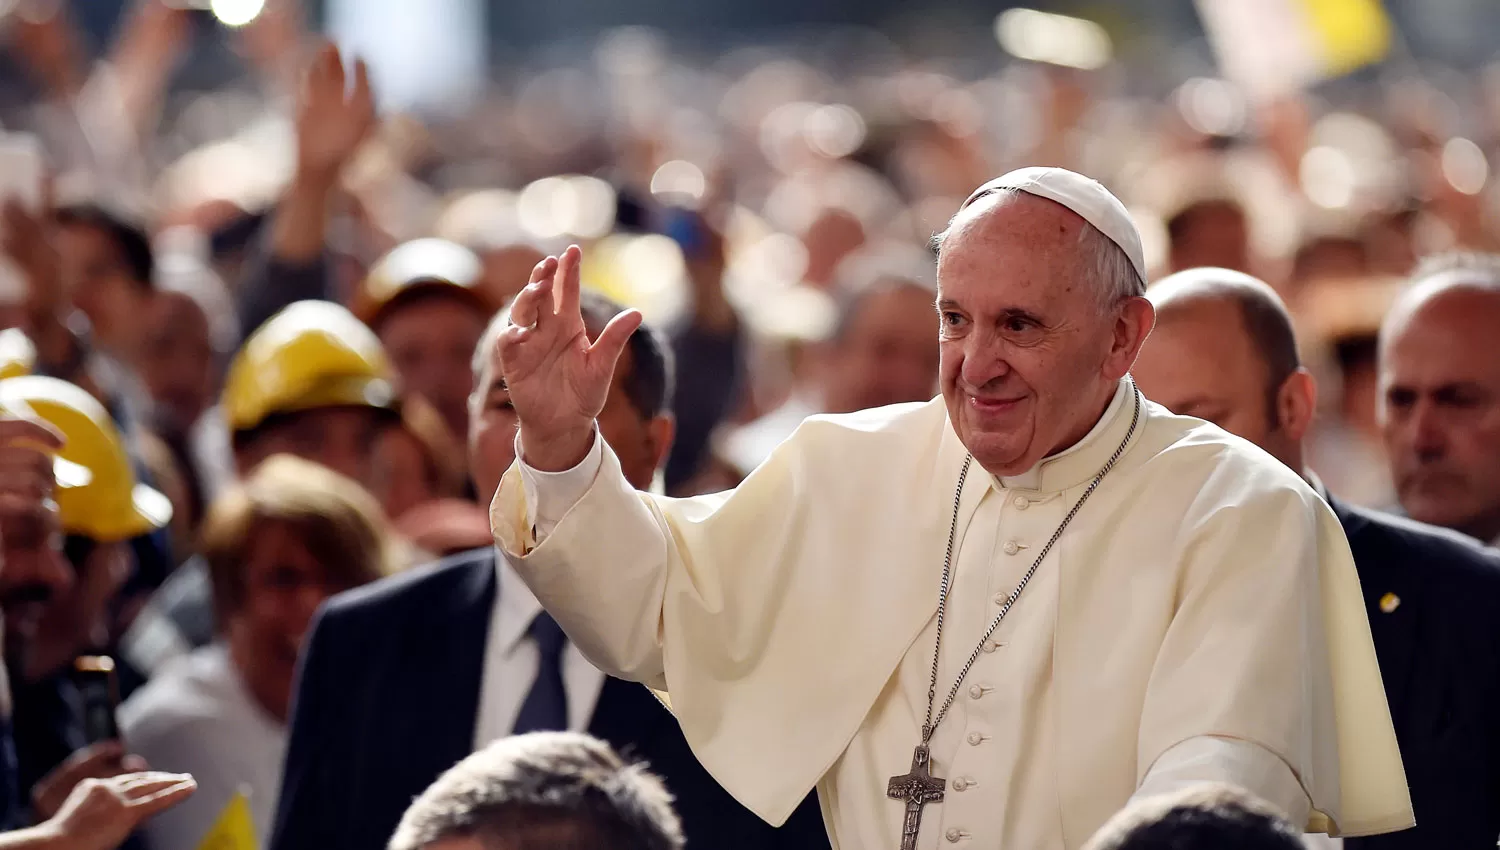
{"x":1082,"y":460}
{"x":515,"y":606}
{"x":1316,"y":483}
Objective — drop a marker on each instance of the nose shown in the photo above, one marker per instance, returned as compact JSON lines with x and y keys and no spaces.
{"x":984,"y":361}
{"x":1429,"y":440}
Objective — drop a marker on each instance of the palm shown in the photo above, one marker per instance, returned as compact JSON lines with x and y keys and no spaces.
{"x":557,"y":379}
{"x":330,"y":123}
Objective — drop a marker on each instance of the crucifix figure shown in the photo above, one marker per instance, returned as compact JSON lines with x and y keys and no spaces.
{"x":917,"y":788}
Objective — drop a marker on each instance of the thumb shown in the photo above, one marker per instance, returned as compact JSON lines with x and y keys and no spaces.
{"x":606,"y":350}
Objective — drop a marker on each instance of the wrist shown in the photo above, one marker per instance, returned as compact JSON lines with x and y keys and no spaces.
{"x":315,"y":180}
{"x":559,"y":452}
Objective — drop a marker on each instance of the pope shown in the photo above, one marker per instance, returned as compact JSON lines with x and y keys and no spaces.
{"x":988,"y":620}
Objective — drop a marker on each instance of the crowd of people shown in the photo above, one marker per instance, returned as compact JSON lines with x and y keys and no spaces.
{"x":255,"y":417}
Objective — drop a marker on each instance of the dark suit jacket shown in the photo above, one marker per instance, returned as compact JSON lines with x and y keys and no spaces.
{"x":387,"y":699}
{"x":1439,"y":651}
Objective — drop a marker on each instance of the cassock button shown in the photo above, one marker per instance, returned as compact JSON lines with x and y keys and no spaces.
{"x":1012,"y":547}
{"x":976,"y":692}
{"x":960,"y":784}
{"x":975,"y":739}
{"x":954,"y":835}
{"x":990,"y":646}
{"x":1022,"y":503}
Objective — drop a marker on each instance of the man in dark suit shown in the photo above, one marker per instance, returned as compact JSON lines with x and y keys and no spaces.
{"x":402,"y":679}
{"x":1224,"y":350}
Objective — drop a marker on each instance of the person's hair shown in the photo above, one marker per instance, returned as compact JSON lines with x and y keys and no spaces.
{"x":650,"y":382}
{"x":1178,"y":222}
{"x":1269,"y":326}
{"x":1471,"y":267}
{"x":442,"y":454}
{"x":130,"y":238}
{"x":544,"y":791}
{"x":1115,"y":275}
{"x":336,"y":519}
{"x":1209,"y":815}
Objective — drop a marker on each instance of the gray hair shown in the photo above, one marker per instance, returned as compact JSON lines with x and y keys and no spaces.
{"x":558,"y":790}
{"x":1110,"y":264}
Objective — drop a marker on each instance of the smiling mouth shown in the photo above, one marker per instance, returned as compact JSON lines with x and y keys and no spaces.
{"x":992,"y":405}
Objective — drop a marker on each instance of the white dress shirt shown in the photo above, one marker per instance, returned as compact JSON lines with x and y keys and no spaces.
{"x":510,"y":664}
{"x":996,"y":746}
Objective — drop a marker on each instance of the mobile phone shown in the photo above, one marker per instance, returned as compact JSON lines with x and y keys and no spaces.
{"x":21,"y":169}
{"x":100,"y":692}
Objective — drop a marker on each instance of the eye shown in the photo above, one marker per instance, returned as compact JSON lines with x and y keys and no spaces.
{"x":951,"y":319}
{"x":1018,"y":324}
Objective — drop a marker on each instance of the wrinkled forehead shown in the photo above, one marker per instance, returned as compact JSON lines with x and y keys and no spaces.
{"x":1010,"y":236}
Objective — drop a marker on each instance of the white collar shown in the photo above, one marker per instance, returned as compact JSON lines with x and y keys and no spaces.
{"x":1031,"y":479}
{"x":515,"y":606}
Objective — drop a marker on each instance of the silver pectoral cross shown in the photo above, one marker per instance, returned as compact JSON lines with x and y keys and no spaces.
{"x":917,"y":788}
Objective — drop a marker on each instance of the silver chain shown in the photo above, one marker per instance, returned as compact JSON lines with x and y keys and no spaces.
{"x":937,"y":650}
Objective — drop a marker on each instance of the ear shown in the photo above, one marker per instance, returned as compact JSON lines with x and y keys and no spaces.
{"x":1133,"y":323}
{"x":1297,"y":403}
{"x":659,"y":433}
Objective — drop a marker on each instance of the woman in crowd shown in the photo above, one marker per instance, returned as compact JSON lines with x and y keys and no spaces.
{"x":277,"y":545}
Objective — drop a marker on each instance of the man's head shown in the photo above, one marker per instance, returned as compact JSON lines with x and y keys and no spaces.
{"x":1211,"y":232}
{"x":177,"y":361}
{"x":1439,"y":399}
{"x":543,"y":791}
{"x":636,"y":420}
{"x":1040,"y":314}
{"x":1224,"y":350}
{"x":313,"y":382}
{"x":108,"y":267}
{"x":882,"y":351}
{"x":1209,"y":815}
{"x":425,"y":301}
{"x":278,"y":545}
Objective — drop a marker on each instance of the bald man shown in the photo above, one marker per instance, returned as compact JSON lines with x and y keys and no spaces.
{"x":1439,"y":407}
{"x":1224,"y":350}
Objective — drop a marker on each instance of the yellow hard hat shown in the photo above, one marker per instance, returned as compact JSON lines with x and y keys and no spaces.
{"x":312,"y":354}
{"x":17,"y":354}
{"x":110,"y":505}
{"x":420,"y":263}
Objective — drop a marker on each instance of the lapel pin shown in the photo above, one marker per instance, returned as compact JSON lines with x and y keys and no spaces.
{"x":1390,"y":602}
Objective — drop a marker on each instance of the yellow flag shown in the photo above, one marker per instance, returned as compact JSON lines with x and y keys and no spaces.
{"x":234,"y":830}
{"x":1273,"y":48}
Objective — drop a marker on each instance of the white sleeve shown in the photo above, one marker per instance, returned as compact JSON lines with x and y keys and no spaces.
{"x":1249,"y":766}
{"x":550,"y":495}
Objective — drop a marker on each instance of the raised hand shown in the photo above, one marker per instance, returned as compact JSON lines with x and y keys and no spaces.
{"x":557,"y":379}
{"x":332,"y":119}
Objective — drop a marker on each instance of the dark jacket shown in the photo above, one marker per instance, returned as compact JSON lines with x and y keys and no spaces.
{"x":387,"y":699}
{"x":1433,"y":598}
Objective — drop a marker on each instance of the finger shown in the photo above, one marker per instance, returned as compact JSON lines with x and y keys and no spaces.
{"x":337,"y":80}
{"x":147,"y":782}
{"x":95,"y":757}
{"x":569,"y":280}
{"x":19,"y":432}
{"x":526,"y":306}
{"x":134,"y":764}
{"x":163,"y":798}
{"x":363,"y":97}
{"x":606,"y":350}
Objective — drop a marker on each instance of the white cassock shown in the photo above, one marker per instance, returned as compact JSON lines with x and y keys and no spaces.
{"x":1199,"y":619}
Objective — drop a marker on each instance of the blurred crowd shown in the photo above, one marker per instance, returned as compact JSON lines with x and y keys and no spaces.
{"x":260,"y":318}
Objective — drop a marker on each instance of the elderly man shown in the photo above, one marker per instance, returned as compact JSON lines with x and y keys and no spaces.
{"x":1121,"y":594}
{"x":1224,"y":350}
{"x":404,"y":678}
{"x":1440,"y":394}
